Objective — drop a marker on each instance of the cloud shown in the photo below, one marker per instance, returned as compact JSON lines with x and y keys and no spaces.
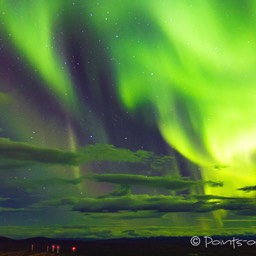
{"x":168,"y":182}
{"x":154,"y":204}
{"x":248,"y":188}
{"x":135,"y":203}
{"x":20,"y":154}
{"x":9,"y":209}
{"x":238,"y":204}
{"x":107,"y":152}
{"x":57,"y":202}
{"x":11,"y":164}
{"x":214,"y":183}
{"x":15,"y":155}
{"x":141,"y":215}
{"x":28,"y":184}
{"x":17,"y":210}
{"x":123,"y":181}
{"x":130,"y":203}
{"x":144,"y":205}
{"x":161,"y":204}
{"x":121,"y":190}
{"x":16,"y":198}
{"x":127,"y":215}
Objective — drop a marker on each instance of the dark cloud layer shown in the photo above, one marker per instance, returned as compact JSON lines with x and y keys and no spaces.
{"x":15,"y":155}
{"x":27,"y":184}
{"x":160,"y":203}
{"x":19,"y":154}
{"x":248,"y":188}
{"x":167,"y":182}
{"x":135,"y":203}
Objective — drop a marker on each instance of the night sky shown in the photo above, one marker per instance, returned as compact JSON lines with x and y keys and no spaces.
{"x":127,"y":118}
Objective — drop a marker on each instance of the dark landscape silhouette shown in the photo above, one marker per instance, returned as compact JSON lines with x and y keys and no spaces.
{"x":117,"y":247}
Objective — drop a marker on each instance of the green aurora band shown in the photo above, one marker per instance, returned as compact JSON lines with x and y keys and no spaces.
{"x":35,"y":39}
{"x":192,"y":62}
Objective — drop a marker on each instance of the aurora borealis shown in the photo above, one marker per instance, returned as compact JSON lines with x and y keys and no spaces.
{"x":127,"y":118}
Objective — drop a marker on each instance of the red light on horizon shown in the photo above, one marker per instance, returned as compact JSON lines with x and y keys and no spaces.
{"x":73,"y":248}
